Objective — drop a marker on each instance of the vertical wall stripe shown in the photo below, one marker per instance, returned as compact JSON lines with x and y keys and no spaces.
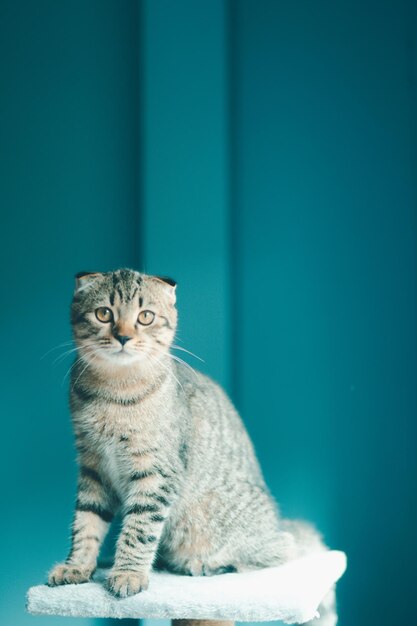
{"x":185,"y":169}
{"x":235,"y":275}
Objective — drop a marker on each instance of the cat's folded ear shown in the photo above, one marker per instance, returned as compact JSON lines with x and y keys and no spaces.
{"x":169,"y":285}
{"x":84,"y":279}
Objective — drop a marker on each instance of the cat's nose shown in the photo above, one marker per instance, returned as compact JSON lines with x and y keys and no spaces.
{"x":123,"y":338}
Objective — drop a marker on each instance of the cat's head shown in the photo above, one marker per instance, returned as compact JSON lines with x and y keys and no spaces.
{"x":123,"y":316}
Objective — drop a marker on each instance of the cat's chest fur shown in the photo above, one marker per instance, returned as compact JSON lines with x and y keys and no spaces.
{"x":121,"y":437}
{"x":113,"y":467}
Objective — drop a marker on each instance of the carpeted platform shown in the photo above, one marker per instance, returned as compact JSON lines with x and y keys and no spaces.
{"x":290,"y":593}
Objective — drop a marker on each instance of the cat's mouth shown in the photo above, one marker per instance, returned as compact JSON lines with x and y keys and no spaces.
{"x":123,"y":351}
{"x":123,"y":354}
{"x":115,"y":354}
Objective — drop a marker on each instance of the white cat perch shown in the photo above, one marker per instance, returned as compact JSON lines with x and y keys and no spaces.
{"x":291,"y":593}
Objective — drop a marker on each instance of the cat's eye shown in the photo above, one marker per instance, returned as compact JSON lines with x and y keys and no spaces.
{"x":104,"y":314}
{"x":146,"y":317}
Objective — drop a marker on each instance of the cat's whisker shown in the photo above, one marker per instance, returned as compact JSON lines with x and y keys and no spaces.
{"x":162,"y":364}
{"x":81,"y":358}
{"x":149,"y":362}
{"x":68,"y":352}
{"x":61,"y":357}
{"x":88,"y":362}
{"x":174,"y":357}
{"x":187,"y":351}
{"x":61,"y":345}
{"x":167,"y":369}
{"x":70,"y":369}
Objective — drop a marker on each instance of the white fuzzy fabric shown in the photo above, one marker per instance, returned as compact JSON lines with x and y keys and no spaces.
{"x":290,"y":593}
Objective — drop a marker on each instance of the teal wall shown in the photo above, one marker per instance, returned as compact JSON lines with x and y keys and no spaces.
{"x":185,"y":156}
{"x":264,"y":154}
{"x":324,"y":147}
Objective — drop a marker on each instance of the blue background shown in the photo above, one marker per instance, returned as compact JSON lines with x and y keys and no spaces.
{"x":264,"y":153}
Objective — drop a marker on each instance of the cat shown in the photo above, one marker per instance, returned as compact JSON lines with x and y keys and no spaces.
{"x":162,"y":444}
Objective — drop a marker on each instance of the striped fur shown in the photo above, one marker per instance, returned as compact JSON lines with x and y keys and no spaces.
{"x":163,"y":445}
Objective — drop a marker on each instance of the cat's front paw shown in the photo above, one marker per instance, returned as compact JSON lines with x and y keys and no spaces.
{"x":65,"y":574}
{"x":126,"y":583}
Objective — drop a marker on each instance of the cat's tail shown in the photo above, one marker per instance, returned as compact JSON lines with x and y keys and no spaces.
{"x":294,"y":539}
{"x":307,"y":539}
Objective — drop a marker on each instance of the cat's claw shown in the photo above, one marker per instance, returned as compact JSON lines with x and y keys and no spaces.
{"x":64,"y":574}
{"x":126,"y":583}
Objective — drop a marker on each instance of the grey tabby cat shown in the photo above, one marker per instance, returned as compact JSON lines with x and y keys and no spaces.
{"x":163,"y":445}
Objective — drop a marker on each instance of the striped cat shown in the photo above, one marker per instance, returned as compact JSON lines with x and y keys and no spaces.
{"x":163,"y":445}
